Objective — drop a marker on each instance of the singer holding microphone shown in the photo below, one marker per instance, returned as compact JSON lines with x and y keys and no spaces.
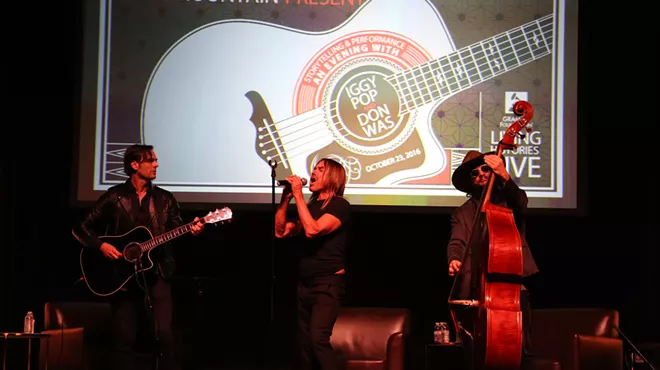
{"x":324,"y":222}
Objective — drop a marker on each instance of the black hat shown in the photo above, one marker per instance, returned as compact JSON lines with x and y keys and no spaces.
{"x":461,"y":177}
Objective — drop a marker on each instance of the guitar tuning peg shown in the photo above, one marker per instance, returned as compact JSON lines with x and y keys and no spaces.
{"x":528,"y":129}
{"x":521,"y":135}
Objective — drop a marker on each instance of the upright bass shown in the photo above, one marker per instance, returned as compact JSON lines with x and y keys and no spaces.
{"x":489,"y":321}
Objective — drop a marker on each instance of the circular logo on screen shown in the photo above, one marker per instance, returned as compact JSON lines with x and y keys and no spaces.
{"x":368,"y":89}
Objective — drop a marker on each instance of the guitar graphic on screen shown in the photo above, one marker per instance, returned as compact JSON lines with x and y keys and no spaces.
{"x":362,"y":93}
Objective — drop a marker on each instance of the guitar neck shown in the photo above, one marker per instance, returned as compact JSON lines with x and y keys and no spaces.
{"x":166,"y":237}
{"x":473,"y":64}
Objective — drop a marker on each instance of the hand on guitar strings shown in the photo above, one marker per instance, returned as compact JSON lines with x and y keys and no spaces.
{"x":454,"y":267}
{"x":110,"y":252}
{"x":197,"y":227}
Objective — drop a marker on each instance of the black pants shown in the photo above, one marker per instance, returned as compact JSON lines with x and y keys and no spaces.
{"x":319,"y":300}
{"x":125,"y":309}
{"x":526,"y":309}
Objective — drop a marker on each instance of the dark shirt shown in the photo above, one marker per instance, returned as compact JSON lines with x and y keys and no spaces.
{"x":324,"y":255}
{"x":142,"y":217}
{"x":140,"y":209}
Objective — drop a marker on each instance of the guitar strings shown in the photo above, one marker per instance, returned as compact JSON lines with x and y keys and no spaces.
{"x":469,"y":72}
{"x":163,"y":238}
{"x":160,"y":239}
{"x":501,"y":68}
{"x":497,"y":67}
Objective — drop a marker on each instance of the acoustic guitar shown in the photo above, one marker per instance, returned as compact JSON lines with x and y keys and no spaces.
{"x":105,"y":277}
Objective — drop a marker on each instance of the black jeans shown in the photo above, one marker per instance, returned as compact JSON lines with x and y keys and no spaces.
{"x":319,"y":300}
{"x":125,"y":309}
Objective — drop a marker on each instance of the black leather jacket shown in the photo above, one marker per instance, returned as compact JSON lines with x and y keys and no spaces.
{"x":113,"y":215}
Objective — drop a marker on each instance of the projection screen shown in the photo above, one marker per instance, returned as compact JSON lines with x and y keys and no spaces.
{"x":397,"y":91}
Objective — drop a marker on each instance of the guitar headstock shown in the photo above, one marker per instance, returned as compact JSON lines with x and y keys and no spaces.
{"x":526,"y":111}
{"x":219,"y":215}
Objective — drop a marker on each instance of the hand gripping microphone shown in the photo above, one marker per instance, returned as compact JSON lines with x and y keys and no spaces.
{"x":286,"y":183}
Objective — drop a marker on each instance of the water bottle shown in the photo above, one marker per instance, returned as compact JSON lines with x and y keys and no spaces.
{"x":28,"y":323}
{"x":437,"y":333}
{"x":444,"y":328}
{"x":441,"y":332}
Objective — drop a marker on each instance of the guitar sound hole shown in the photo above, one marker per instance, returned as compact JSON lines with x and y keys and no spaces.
{"x":132,"y":253}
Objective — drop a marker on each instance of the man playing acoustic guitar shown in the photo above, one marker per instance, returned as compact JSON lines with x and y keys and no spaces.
{"x":137,"y":202}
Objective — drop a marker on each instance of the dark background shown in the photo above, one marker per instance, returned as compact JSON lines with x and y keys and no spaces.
{"x":604,"y":256}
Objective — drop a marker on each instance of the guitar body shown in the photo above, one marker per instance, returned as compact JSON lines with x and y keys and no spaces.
{"x":104,"y":276}
{"x":288,"y":108}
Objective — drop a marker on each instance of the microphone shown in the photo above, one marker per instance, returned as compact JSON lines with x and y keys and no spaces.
{"x":634,"y":352}
{"x":286,"y":183}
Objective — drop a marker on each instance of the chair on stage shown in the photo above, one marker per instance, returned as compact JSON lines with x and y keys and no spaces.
{"x":579,"y":338}
{"x":80,"y":336}
{"x":371,"y":338}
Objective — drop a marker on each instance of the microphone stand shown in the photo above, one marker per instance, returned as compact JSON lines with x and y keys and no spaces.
{"x":634,"y":351}
{"x":150,"y":310}
{"x":273,"y":165}
{"x":270,"y":354}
